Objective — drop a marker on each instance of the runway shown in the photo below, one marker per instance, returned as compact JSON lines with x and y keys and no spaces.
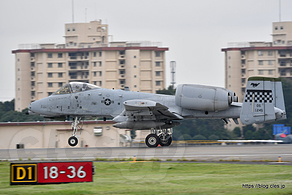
{"x":195,"y":153}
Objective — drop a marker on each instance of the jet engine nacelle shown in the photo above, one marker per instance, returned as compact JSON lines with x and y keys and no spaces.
{"x":200,"y":97}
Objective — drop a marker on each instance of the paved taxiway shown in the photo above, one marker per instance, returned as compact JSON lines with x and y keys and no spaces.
{"x":199,"y":153}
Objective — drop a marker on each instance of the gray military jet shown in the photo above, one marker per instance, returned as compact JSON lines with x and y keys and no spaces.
{"x":263,"y":102}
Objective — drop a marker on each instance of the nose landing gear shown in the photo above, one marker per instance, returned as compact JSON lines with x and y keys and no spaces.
{"x":73,"y":140}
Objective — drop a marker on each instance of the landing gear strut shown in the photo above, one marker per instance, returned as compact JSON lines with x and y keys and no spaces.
{"x":73,"y":141}
{"x":162,"y":137}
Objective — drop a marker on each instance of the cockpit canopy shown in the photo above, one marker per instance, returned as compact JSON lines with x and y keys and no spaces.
{"x":74,"y":87}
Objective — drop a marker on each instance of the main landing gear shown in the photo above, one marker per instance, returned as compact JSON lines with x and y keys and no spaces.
{"x":73,"y":141}
{"x":161,"y":136}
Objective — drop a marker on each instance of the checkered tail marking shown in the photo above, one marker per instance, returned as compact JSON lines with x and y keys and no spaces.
{"x":260,"y":96}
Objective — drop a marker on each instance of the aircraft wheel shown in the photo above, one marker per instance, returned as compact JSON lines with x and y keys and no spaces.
{"x":152,"y":141}
{"x":165,"y":143}
{"x":72,"y":141}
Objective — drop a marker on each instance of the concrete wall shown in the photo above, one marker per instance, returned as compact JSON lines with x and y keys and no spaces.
{"x":56,"y":134}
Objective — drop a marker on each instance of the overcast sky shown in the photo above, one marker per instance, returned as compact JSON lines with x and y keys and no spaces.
{"x":194,"y":31}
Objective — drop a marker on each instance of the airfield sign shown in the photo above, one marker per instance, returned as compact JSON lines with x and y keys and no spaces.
{"x":49,"y":172}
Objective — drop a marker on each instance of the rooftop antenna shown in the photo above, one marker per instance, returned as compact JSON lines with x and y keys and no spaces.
{"x":72,"y":11}
{"x":85,"y":15}
{"x":172,"y":71}
{"x":279,"y":10}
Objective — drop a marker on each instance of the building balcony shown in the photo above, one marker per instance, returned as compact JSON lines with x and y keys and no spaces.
{"x":122,"y":66}
{"x":79,"y":77}
{"x":78,"y":58}
{"x":78,"y":68}
{"x":122,"y":76}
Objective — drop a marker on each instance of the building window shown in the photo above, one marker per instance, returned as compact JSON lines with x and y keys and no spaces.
{"x":50,"y":65}
{"x":50,"y":55}
{"x":242,"y":61}
{"x":157,"y":54}
{"x":270,"y":72}
{"x":94,"y":83}
{"x":242,"y":71}
{"x":50,"y":75}
{"x":135,"y":66}
{"x":50,"y":93}
{"x":68,"y":29}
{"x":100,"y":54}
{"x":94,"y":54}
{"x":32,"y":64}
{"x":60,"y":65}
{"x":261,"y":72}
{"x":260,"y":53}
{"x":32,"y":83}
{"x":100,"y":64}
{"x":283,"y":42}
{"x":270,"y":62}
{"x":261,"y":62}
{"x":60,"y":75}
{"x":100,"y":83}
{"x":122,"y":71}
{"x":94,"y":74}
{"x":33,"y":93}
{"x":135,"y":76}
{"x":60,"y":55}
{"x":122,"y":52}
{"x":134,"y":56}
{"x":283,"y":73}
{"x":242,"y":52}
{"x":75,"y":44}
{"x":270,"y":53}
{"x":32,"y":55}
{"x":32,"y":74}
{"x":157,"y":73}
{"x":122,"y":61}
{"x":282,"y":27}
{"x":157,"y":64}
{"x":73,"y":29}
{"x":50,"y":84}
{"x":157,"y":83}
{"x":135,"y":86}
{"x":122,"y":82}
{"x":276,"y":28}
{"x":243,"y":80}
{"x":100,"y":73}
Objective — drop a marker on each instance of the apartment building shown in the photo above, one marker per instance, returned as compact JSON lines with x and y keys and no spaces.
{"x":86,"y":56}
{"x":271,"y":59}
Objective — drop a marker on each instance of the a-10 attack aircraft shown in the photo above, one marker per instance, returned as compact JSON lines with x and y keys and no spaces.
{"x":263,"y":102}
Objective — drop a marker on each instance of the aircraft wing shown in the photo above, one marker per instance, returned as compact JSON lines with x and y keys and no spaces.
{"x":138,"y":107}
{"x":145,"y":114}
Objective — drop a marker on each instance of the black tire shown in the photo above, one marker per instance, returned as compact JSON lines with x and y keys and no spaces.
{"x":152,"y":141}
{"x":166,"y":143}
{"x":72,"y":141}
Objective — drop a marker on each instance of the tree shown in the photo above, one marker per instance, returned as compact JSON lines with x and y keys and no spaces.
{"x":199,"y":137}
{"x":213,"y":137}
{"x":248,"y":135}
{"x":185,"y":137}
{"x":237,"y":131}
{"x":169,"y":91}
